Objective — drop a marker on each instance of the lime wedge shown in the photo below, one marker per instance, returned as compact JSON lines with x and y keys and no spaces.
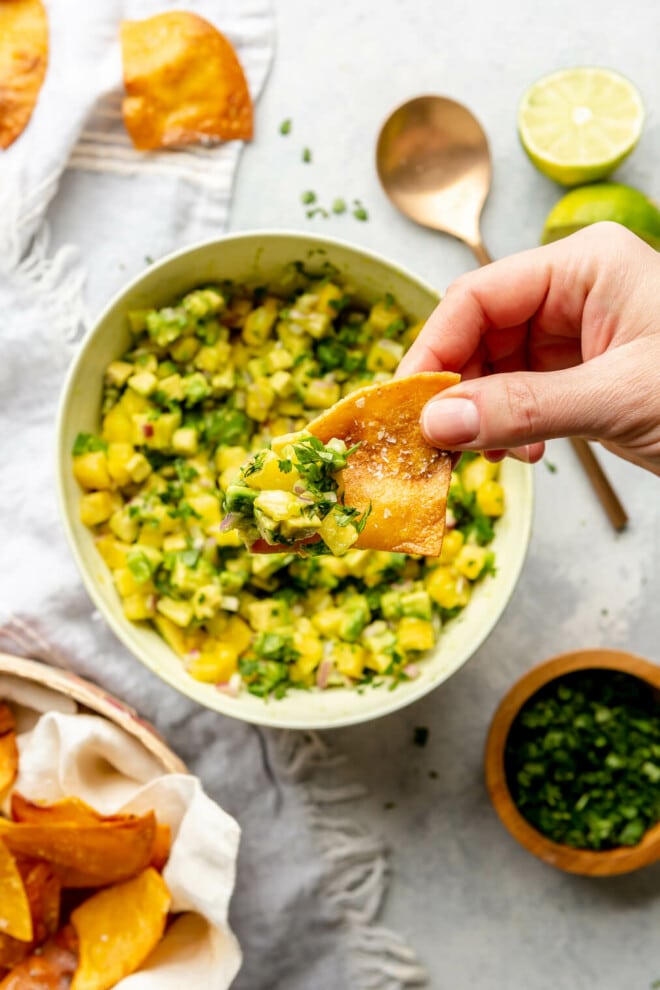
{"x":604,"y":201}
{"x":578,"y":124}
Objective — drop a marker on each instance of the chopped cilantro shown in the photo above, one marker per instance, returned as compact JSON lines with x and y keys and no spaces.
{"x":86,"y":443}
{"x":359,"y":211}
{"x":339,"y":205}
{"x":285,"y":126}
{"x":306,"y":155}
{"x":308,"y":197}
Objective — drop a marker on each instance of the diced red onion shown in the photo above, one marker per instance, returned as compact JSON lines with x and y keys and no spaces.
{"x":230,"y":688}
{"x":228,"y":522}
{"x":412,"y":671}
{"x":147,"y":429}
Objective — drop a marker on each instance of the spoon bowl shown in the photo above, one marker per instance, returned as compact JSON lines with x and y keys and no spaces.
{"x":434,"y":164}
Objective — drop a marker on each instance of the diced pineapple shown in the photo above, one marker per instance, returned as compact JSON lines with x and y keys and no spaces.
{"x":216,"y":664}
{"x":155,"y":433}
{"x":150,"y":536}
{"x":206,"y":601}
{"x":259,"y":323}
{"x":224,"y":381}
{"x":338,"y":538}
{"x":415,"y":634}
{"x":412,"y":333}
{"x":180,"y":613}
{"x":175,"y":542}
{"x":281,"y":383}
{"x":124,"y":525}
{"x":95,"y":508}
{"x":329,"y":621}
{"x":230,"y":457}
{"x":138,"y":607}
{"x":384,"y":355}
{"x":382,"y":314}
{"x":117,"y":426}
{"x":237,"y":633}
{"x":172,"y":387}
{"x":471,"y":560}
{"x":138,"y":467}
{"x":278,"y":359}
{"x":490,"y":498}
{"x":91,"y":470}
{"x":118,"y":372}
{"x":112,"y":550}
{"x":227,"y":538}
{"x":132,"y":403}
{"x":185,"y":440}
{"x":184,"y":349}
{"x":119,"y":456}
{"x":349,"y":659}
{"x":448,"y":588}
{"x":213,"y":356}
{"x":171,"y":633}
{"x":329,"y":294}
{"x":259,"y":399}
{"x":321,"y":393}
{"x":207,"y":508}
{"x":476,"y":472}
{"x":268,"y":614}
{"x":270,"y":476}
{"x":452,"y":542}
{"x":143,"y":382}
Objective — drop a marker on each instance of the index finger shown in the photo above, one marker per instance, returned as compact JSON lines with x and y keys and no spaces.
{"x":504,"y":294}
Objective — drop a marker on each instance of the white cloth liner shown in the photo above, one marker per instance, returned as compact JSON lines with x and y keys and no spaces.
{"x":76,"y":143}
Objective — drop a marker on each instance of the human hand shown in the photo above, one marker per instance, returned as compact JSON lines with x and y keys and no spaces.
{"x":562,"y":340}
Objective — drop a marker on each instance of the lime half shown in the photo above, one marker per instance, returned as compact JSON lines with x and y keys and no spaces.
{"x":604,"y":201}
{"x":578,"y":124}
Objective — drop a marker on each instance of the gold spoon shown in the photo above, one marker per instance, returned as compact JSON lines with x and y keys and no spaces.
{"x":434,"y":164}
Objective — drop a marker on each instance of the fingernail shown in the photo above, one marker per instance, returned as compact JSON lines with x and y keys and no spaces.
{"x":450,"y":421}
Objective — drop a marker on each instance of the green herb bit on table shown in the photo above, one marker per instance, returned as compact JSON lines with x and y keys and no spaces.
{"x":583,"y":760}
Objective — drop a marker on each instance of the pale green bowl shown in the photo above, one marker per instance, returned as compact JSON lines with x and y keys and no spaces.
{"x":260,"y":255}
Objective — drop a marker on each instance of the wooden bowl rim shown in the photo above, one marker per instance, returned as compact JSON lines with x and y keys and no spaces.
{"x":610,"y":862}
{"x":95,"y":698}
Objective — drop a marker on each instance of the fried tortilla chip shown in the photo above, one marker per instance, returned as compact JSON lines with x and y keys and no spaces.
{"x":23,"y":63}
{"x":15,"y":915}
{"x":43,"y":893}
{"x":7,"y":720}
{"x":184,"y":83}
{"x":50,"y":968}
{"x":92,"y":854}
{"x":394,"y":470}
{"x":72,"y":809}
{"x":8,"y":747}
{"x":118,"y":928}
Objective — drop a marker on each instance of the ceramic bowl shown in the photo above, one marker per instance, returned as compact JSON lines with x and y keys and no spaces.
{"x":622,"y":859}
{"x":261,"y":255}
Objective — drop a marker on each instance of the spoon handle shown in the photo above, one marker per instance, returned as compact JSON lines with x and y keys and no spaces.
{"x":600,"y":483}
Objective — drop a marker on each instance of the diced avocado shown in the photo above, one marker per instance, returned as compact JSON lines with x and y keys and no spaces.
{"x":204,"y":302}
{"x":268,"y":614}
{"x":356,"y":617}
{"x":180,"y":613}
{"x":390,"y":604}
{"x":137,"y":320}
{"x":416,"y":604}
{"x":164,"y":326}
{"x":240,"y":498}
{"x":206,"y":601}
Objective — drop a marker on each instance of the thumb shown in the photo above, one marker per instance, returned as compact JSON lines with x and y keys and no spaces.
{"x":505,"y":411}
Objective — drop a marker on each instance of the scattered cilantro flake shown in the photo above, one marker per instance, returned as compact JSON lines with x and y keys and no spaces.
{"x":420,"y":736}
{"x":360,"y":213}
{"x":339,"y":206}
{"x":285,"y":126}
{"x":86,"y":443}
{"x":552,"y":468}
{"x":308,"y":197}
{"x":306,"y":155}
{"x":148,"y":260}
{"x":318,"y":211}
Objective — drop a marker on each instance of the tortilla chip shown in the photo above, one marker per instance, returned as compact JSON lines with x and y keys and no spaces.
{"x":15,"y":915}
{"x":118,"y":928}
{"x":7,"y":720}
{"x":394,"y":470}
{"x":72,"y":809}
{"x":23,"y":63}
{"x":90,"y":854}
{"x":50,"y":968}
{"x":184,"y":83}
{"x":43,"y":893}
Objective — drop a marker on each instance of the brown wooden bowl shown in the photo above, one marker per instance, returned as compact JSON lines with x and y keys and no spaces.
{"x":90,"y":697}
{"x":622,"y":859}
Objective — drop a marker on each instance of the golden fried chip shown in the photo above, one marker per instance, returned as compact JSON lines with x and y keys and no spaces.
{"x":184,"y":83}
{"x":23,"y":63}
{"x":43,"y":893}
{"x":50,"y":968}
{"x":394,"y":470}
{"x":8,"y":762}
{"x":15,"y":915}
{"x":92,"y":854}
{"x":118,"y":928}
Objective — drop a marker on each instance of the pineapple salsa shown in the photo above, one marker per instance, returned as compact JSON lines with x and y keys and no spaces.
{"x":208,"y":381}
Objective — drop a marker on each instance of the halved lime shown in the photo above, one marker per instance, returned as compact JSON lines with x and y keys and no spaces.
{"x":578,"y":124}
{"x":604,"y":201}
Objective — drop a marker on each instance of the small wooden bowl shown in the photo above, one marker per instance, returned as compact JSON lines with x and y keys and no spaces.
{"x":622,"y":859}
{"x":93,"y":698}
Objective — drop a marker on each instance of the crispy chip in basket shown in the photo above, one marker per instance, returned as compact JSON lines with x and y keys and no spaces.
{"x":23,"y":62}
{"x":43,"y":892}
{"x":73,"y":809}
{"x":15,"y":914}
{"x":49,"y":968}
{"x":7,"y":720}
{"x":118,"y":928}
{"x":8,"y":747}
{"x":394,"y":470}
{"x":184,"y":83}
{"x":88,"y":854}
